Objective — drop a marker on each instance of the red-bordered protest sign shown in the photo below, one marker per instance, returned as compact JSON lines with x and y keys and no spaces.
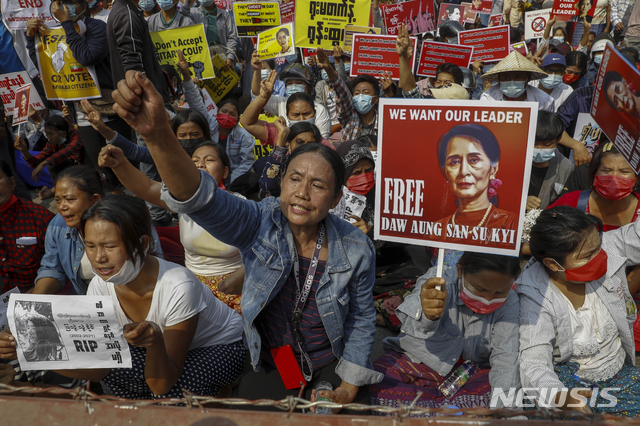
{"x":521,"y":48}
{"x":490,"y":44}
{"x":469,"y":16}
{"x":481,"y":6}
{"x":11,"y":82}
{"x":616,"y":104}
{"x":495,"y":20}
{"x":450,"y":12}
{"x":535,"y":22}
{"x":433,"y":54}
{"x":376,"y":54}
{"x":418,"y":15}
{"x":564,"y":10}
{"x":287,"y":11}
{"x":21,"y":105}
{"x":467,"y":188}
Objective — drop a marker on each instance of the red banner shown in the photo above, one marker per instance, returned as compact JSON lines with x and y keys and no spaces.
{"x":434,"y":54}
{"x":616,"y":104}
{"x":450,"y":12}
{"x":481,"y":6}
{"x":467,"y":186}
{"x":376,"y":54}
{"x":490,"y":44}
{"x":286,"y":11}
{"x":418,"y":15}
{"x":21,"y":105}
{"x":469,"y":16}
{"x":564,"y":10}
{"x":494,"y":20}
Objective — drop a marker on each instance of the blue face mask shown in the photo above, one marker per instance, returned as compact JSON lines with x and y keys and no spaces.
{"x":146,"y":5}
{"x":310,"y":121}
{"x":347,"y":67}
{"x":165,"y":4}
{"x":551,"y":81}
{"x":295,"y":88}
{"x":324,"y":75}
{"x":264,"y":74}
{"x":207,"y":3}
{"x":597,"y":59}
{"x":291,"y":58}
{"x":72,"y":10}
{"x":513,"y":89}
{"x":543,"y":155}
{"x":560,"y":39}
{"x":362,"y":103}
{"x":92,"y":4}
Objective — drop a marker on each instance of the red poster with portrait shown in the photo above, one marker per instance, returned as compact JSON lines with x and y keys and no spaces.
{"x":433,"y":54}
{"x":481,"y":6}
{"x":616,"y":104}
{"x":21,"y":106}
{"x":564,"y":10}
{"x":495,"y":20}
{"x":450,"y":12}
{"x":469,"y":16}
{"x":466,"y":186}
{"x":490,"y":44}
{"x":418,"y":15}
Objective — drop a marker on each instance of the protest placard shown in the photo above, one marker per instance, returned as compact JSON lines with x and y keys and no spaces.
{"x":468,"y":16}
{"x":351,"y":204}
{"x":468,"y":191}
{"x":224,"y":4}
{"x":481,"y":6}
{"x":223,"y":82}
{"x":535,"y":22}
{"x":520,"y":47}
{"x":63,"y":77}
{"x":21,"y":105}
{"x":417,"y":15}
{"x":350,"y":30}
{"x":9,"y":83}
{"x":4,"y":302}
{"x":434,"y":53}
{"x":495,"y":20}
{"x":65,"y":333}
{"x":376,"y":54}
{"x":287,"y":11}
{"x":254,"y":18}
{"x":490,"y":44}
{"x":450,"y":12}
{"x":587,"y":131}
{"x":211,"y":106}
{"x":564,"y":10}
{"x":276,"y":42}
{"x":16,"y":13}
{"x":616,"y":104}
{"x":192,"y":40}
{"x":321,"y":23}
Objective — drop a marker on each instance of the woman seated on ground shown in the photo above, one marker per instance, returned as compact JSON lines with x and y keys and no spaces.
{"x":473,"y":316}
{"x":179,"y":334}
{"x":576,"y":313}
{"x":77,"y":189}
{"x":215,"y":263}
{"x":278,"y":237}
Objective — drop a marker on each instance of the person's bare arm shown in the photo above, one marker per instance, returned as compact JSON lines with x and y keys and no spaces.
{"x":249,"y":119}
{"x":585,"y":35}
{"x":580,"y":153}
{"x":404,"y":48}
{"x":256,"y":64}
{"x":547,"y":29}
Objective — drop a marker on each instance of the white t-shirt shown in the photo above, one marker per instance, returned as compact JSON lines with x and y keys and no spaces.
{"x":178,"y":296}
{"x":559,"y":93}
{"x":103,"y":15}
{"x":545,"y":102}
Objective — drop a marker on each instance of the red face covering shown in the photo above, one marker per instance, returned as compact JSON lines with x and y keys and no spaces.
{"x":361,"y":184}
{"x":613,"y":187}
{"x":6,"y":206}
{"x":225,"y":120}
{"x":570,"y":78}
{"x":590,"y":271}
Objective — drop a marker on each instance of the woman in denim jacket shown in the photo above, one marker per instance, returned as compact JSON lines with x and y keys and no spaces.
{"x":338,"y":319}
{"x":576,"y":314}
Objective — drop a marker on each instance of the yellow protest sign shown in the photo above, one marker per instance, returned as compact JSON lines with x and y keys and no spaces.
{"x":350,"y":30}
{"x":321,"y":23}
{"x":260,"y":150}
{"x":63,"y":77}
{"x":193,"y":43}
{"x":276,"y":42}
{"x":223,"y":82}
{"x":254,"y":18}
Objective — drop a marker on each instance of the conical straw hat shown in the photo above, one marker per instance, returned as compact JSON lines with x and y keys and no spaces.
{"x":514,"y":62}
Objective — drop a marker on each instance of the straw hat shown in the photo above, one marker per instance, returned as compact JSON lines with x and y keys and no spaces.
{"x":451,"y":91}
{"x":514,"y":62}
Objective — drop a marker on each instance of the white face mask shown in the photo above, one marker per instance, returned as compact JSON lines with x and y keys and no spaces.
{"x":126,"y":274}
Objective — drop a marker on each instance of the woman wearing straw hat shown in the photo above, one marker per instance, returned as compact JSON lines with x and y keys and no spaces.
{"x":513,"y":75}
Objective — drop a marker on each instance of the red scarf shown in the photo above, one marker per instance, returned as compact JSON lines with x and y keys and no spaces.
{"x":6,"y":206}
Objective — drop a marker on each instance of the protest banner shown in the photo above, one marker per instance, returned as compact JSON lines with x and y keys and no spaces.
{"x":192,"y":40}
{"x":376,"y":54}
{"x":450,"y":12}
{"x":321,"y":23}
{"x":564,"y":10}
{"x":276,"y":42}
{"x":434,"y":53}
{"x":481,"y":6}
{"x":351,"y":204}
{"x":4,"y":302}
{"x":490,"y":44}
{"x":9,"y":83}
{"x":223,"y":82}
{"x":21,"y":105}
{"x":65,"y":333}
{"x":535,"y":22}
{"x":495,"y":20}
{"x":211,"y":106}
{"x":350,"y":30}
{"x":417,"y":15}
{"x":520,"y":47}
{"x":16,"y":13}
{"x":254,"y":18}
{"x":424,"y":202}
{"x":287,"y":11}
{"x":63,"y":77}
{"x":468,"y":16}
{"x":616,"y":104}
{"x":587,"y":131}
{"x":224,"y":4}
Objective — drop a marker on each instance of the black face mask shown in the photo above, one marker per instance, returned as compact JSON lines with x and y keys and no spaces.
{"x":190,"y":145}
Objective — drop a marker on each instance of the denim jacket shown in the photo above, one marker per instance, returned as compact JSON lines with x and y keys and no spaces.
{"x":64,"y":249}
{"x":546,"y":336}
{"x":490,"y":340}
{"x":263,"y":235}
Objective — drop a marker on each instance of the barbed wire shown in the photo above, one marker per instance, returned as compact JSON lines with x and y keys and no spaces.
{"x":288,"y":404}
